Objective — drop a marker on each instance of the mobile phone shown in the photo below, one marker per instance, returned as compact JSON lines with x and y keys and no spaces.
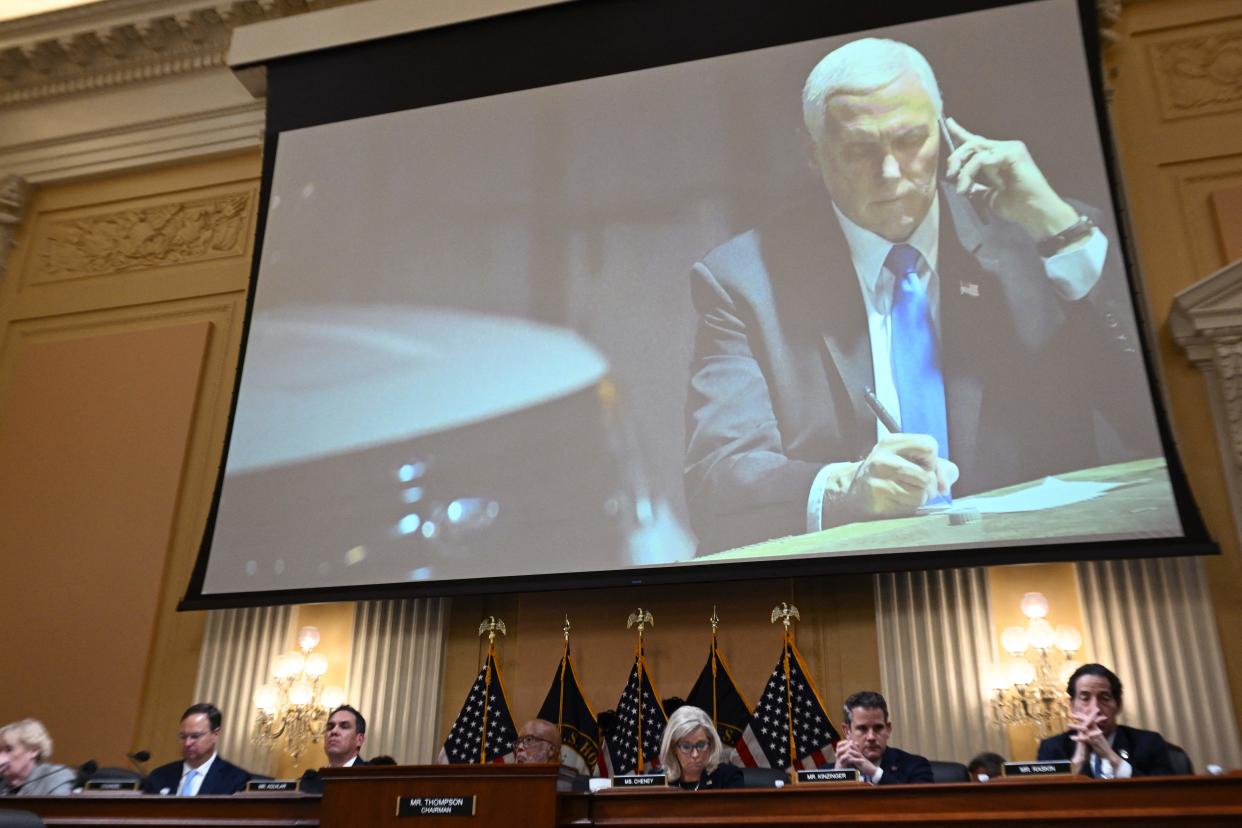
{"x":979,"y":195}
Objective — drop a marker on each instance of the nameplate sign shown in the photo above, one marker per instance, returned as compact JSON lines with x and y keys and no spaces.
{"x":112,"y":785}
{"x":434,"y":806}
{"x":1032,"y":769}
{"x":274,"y":786}
{"x":830,"y":775}
{"x":640,"y":781}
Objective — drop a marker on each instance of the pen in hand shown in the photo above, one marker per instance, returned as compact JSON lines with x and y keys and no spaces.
{"x":937,"y":502}
{"x":881,"y":413}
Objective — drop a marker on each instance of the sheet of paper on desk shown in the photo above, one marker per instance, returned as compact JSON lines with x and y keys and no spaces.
{"x":1050,"y":493}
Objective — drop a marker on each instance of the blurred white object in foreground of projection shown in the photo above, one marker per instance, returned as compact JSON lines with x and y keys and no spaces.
{"x":378,"y":445}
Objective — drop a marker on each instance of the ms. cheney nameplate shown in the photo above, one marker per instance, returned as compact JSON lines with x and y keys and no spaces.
{"x":640,"y":780}
{"x":417,"y":806}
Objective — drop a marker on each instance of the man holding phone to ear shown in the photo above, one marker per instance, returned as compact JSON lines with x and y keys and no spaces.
{"x":944,"y":271}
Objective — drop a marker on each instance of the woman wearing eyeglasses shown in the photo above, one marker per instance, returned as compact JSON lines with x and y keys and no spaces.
{"x":690,"y":753}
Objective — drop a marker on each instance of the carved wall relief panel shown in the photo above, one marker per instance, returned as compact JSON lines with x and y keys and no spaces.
{"x":142,"y":238}
{"x":1199,"y":75}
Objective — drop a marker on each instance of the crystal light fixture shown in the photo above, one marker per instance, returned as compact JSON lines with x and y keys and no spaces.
{"x":293,"y":709}
{"x":1029,"y":688}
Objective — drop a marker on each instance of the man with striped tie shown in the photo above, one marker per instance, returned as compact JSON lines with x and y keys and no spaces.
{"x":943,"y":274}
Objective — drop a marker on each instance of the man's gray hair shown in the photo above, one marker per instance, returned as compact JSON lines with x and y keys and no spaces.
{"x":858,"y":67}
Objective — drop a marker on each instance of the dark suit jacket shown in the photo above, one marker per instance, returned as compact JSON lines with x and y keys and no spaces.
{"x":222,"y":778}
{"x":724,"y":776}
{"x":782,"y":353}
{"x":1145,"y":750}
{"x":312,"y":779}
{"x":901,"y":768}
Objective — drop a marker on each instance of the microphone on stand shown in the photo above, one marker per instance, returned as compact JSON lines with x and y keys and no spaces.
{"x":137,"y":759}
{"x":85,"y":771}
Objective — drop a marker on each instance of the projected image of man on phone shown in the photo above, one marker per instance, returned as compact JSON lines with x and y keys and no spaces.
{"x":939,"y":268}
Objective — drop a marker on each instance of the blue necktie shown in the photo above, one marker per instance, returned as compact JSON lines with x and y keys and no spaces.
{"x":916,"y":351}
{"x":186,"y":790}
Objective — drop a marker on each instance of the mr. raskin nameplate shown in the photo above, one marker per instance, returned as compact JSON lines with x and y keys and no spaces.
{"x":111,"y":785}
{"x":1032,"y":769}
{"x":830,"y":775}
{"x":646,"y":780}
{"x":417,"y":806}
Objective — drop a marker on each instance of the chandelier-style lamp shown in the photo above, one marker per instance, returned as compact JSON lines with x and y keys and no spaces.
{"x":293,"y":709}
{"x":1029,"y":688}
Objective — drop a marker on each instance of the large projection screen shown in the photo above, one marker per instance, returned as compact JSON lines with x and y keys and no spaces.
{"x":619,"y":327}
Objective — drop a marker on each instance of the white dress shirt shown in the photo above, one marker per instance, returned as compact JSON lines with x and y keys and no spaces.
{"x":1073,"y":274}
{"x":200,"y":773}
{"x":1103,"y":769}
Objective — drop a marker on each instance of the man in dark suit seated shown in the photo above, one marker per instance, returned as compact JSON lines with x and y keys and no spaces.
{"x":983,"y":330}
{"x":865,"y":745}
{"x":1095,"y":744}
{"x":201,"y":771}
{"x":343,"y":736}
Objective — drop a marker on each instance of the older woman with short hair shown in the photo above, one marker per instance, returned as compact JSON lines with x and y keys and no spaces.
{"x":690,"y":753}
{"x":25,"y":748}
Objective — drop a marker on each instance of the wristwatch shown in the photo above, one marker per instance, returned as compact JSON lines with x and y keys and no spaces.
{"x":1076,"y":232}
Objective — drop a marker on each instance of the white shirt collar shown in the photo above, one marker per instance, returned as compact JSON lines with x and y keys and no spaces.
{"x":868,"y":251}
{"x":201,"y":770}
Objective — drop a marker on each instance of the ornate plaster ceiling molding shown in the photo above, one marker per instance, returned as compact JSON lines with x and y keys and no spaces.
{"x":118,"y":42}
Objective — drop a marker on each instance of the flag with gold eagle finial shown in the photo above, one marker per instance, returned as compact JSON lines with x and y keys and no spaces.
{"x":790,"y":707}
{"x":640,"y":721}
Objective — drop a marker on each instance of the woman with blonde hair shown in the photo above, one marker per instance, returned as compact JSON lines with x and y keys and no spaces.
{"x":25,"y":748}
{"x":690,"y":753}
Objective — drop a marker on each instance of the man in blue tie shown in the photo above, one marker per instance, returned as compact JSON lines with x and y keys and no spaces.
{"x":943,"y":272}
{"x":201,"y":772}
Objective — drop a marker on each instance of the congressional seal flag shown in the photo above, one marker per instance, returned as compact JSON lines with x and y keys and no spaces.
{"x":790,"y":726}
{"x":483,"y":731}
{"x":634,"y":744}
{"x":716,"y":693}
{"x":565,"y":704}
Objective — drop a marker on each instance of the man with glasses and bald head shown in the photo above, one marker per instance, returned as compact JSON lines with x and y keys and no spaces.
{"x":539,"y":742}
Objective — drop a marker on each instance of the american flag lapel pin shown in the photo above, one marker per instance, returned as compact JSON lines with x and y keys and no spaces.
{"x":970,"y":289}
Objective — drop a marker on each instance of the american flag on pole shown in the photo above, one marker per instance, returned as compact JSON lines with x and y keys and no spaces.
{"x":640,"y":716}
{"x":789,"y":702}
{"x":486,"y":709}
